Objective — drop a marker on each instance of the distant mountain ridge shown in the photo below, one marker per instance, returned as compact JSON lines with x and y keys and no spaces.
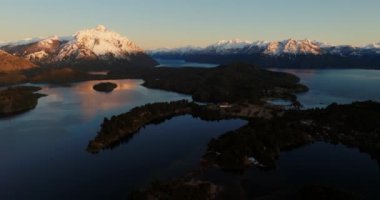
{"x":287,"y":53}
{"x":90,"y":48}
{"x":289,"y":46}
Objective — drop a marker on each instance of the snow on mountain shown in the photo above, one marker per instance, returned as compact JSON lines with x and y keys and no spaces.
{"x":98,"y":46}
{"x":274,"y":48}
{"x":35,"y":50}
{"x":180,"y":50}
{"x":372,"y":46}
{"x":98,"y":42}
{"x":230,"y":44}
{"x":293,"y":47}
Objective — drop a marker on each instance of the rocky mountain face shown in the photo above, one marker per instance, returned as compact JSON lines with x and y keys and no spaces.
{"x":97,"y":48}
{"x":11,"y":63}
{"x":287,"y":53}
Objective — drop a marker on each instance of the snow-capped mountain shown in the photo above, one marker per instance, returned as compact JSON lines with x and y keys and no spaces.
{"x":98,"y":46}
{"x":97,"y":43}
{"x":36,"y":50}
{"x":274,"y":48}
{"x":229,"y":44}
{"x":293,"y":47}
{"x":285,"y":53}
{"x":180,"y":50}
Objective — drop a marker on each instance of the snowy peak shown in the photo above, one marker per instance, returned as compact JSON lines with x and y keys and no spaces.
{"x":223,"y":46}
{"x":292,"y":46}
{"x":231,"y":44}
{"x":96,"y":47}
{"x":98,"y":42}
{"x":236,"y":46}
{"x":180,"y":50}
{"x":101,"y":28}
{"x":274,"y":48}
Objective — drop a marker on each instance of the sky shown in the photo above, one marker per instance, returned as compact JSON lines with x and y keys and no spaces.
{"x":173,"y":23}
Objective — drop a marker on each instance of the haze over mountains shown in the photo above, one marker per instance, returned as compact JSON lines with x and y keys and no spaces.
{"x":96,"y":48}
{"x":286,"y":53}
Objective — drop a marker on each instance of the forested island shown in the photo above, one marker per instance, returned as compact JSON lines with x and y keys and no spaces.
{"x":122,"y":127}
{"x":264,"y":137}
{"x":236,"y":82}
{"x":241,"y":85}
{"x":260,"y":142}
{"x":15,"y":100}
{"x":105,"y":87}
{"x":354,"y":125}
{"x":227,"y":92}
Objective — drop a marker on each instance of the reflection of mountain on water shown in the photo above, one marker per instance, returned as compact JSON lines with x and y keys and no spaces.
{"x":91,"y":102}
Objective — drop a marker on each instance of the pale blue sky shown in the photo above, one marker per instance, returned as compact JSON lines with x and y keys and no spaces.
{"x":170,"y":23}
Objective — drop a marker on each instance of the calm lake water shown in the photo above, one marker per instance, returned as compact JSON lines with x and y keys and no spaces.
{"x":43,"y":153}
{"x":329,"y":165}
{"x":182,"y":63}
{"x":337,"y":85}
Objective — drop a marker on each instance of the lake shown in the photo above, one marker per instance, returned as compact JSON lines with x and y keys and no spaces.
{"x":43,"y":152}
{"x":326,"y":85}
{"x":337,"y":85}
{"x":182,"y":63}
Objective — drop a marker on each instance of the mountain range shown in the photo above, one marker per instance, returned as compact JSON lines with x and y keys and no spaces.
{"x":101,"y":49}
{"x":287,"y":53}
{"x":90,"y":49}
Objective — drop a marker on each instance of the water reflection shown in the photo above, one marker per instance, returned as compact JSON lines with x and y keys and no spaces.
{"x":91,"y":102}
{"x":43,"y":152}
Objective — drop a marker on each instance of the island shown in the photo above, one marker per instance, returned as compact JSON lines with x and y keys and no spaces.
{"x":122,"y":127}
{"x":259,"y":144}
{"x":16,"y":100}
{"x":242,"y":91}
{"x":237,"y":82}
{"x":230,"y":91}
{"x":105,"y":87}
{"x":268,"y":131}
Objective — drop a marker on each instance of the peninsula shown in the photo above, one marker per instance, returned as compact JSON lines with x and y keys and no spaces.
{"x":15,"y":100}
